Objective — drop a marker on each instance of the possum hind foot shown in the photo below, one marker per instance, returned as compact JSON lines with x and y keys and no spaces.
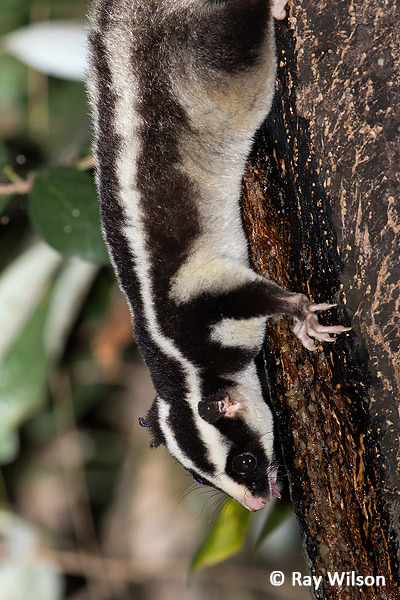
{"x":308,"y":329}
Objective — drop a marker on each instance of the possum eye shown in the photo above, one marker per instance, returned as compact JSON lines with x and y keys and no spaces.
{"x":199,"y":480}
{"x":244,"y":464}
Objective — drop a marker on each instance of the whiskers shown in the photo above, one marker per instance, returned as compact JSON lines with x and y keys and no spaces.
{"x":191,"y":487}
{"x":219,"y":505}
{"x":215,"y":501}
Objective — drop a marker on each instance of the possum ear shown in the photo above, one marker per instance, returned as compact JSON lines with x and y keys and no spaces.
{"x":151,"y":421}
{"x":212,"y":408}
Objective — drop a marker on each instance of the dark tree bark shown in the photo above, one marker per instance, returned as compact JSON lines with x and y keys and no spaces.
{"x":321,"y":208}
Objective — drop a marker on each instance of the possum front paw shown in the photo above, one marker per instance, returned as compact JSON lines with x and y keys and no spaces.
{"x":308,"y":329}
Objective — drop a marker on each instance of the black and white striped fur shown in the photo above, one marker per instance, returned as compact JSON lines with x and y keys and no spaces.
{"x":178,"y":89}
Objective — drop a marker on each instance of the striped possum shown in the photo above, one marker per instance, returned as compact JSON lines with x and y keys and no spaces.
{"x":178,"y":89}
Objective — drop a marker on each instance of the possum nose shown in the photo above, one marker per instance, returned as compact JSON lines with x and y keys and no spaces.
{"x":255,"y":504}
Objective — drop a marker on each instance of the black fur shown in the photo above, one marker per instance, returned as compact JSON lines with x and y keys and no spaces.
{"x":230,"y":39}
{"x":167,"y":374}
{"x":170,"y":215}
{"x":184,"y":427}
{"x":152,"y":421}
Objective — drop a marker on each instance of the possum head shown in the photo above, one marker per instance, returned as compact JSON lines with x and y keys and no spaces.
{"x":223,"y":440}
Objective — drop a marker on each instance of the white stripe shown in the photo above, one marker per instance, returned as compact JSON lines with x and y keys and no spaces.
{"x":127,"y":126}
{"x":239,"y":333}
{"x":170,"y":440}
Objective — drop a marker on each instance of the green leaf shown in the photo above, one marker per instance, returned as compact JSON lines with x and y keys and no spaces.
{"x":32,"y":270}
{"x":23,"y":373}
{"x":64,"y":210}
{"x":281,"y":511}
{"x":226,"y":537}
{"x":35,"y":329}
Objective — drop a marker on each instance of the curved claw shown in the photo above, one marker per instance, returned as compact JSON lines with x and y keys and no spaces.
{"x":275,"y":492}
{"x":310,"y":329}
{"x":323,"y":306}
{"x":329,"y":328}
{"x":300,"y":330}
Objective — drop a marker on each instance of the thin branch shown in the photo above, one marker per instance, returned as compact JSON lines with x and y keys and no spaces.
{"x":19,"y":186}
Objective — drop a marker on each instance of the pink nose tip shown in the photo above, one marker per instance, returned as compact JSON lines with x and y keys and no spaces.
{"x":255,"y":504}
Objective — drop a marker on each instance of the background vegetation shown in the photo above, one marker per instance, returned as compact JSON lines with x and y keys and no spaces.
{"x":87,"y":511}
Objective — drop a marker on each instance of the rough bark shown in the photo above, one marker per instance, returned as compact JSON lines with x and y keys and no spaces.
{"x":321,"y":208}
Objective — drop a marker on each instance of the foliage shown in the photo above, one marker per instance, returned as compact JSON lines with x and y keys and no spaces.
{"x":64,"y":210}
{"x":226,"y":538}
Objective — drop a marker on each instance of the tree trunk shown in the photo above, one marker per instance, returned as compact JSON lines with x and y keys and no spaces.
{"x":321,"y":208}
